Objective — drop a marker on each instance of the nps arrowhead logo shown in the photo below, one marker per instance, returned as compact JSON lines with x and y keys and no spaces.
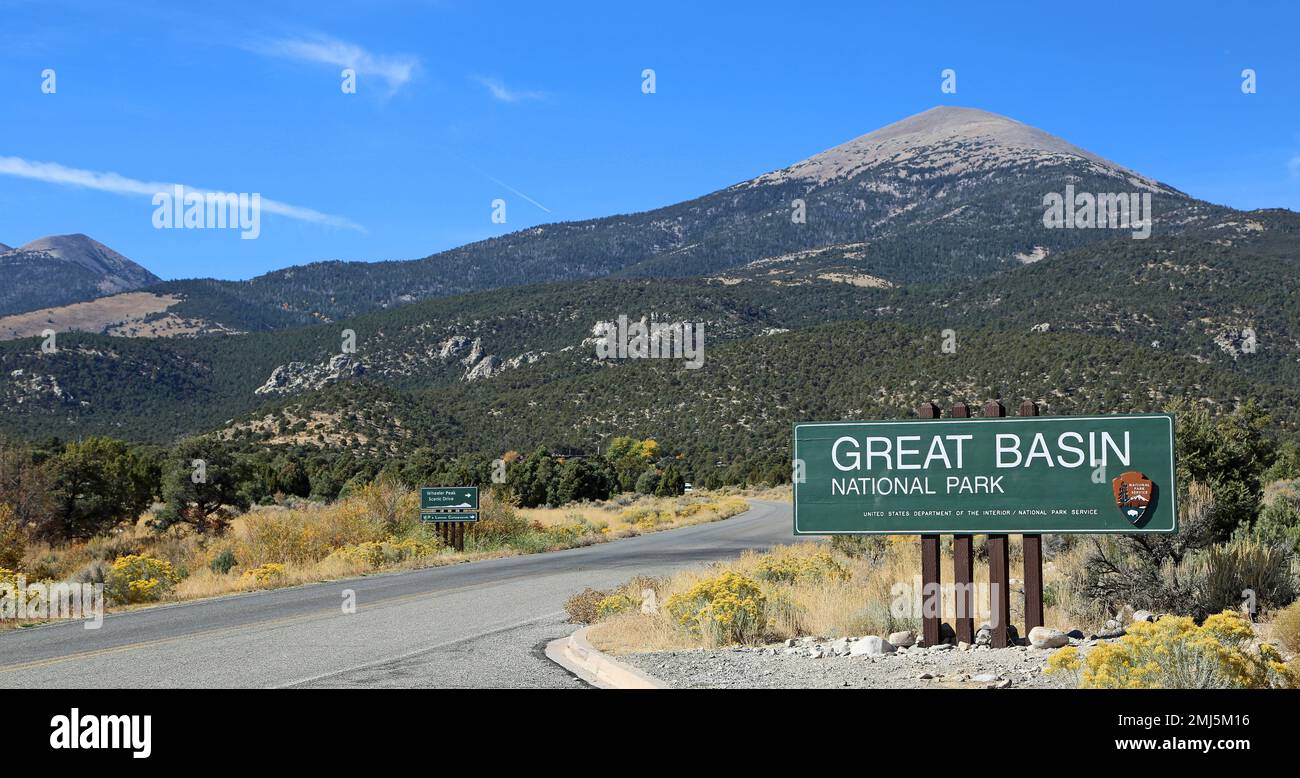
{"x":1134,"y":493}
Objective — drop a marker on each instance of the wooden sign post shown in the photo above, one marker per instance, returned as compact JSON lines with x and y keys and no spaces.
{"x":449,"y":509}
{"x":931,"y":602}
{"x":963,"y":566}
{"x":999,"y":566}
{"x":1033,"y":558}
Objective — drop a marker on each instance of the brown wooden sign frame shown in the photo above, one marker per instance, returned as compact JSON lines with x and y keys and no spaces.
{"x":964,"y":568}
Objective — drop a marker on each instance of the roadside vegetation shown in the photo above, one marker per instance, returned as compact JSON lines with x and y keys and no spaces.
{"x":169,"y":554}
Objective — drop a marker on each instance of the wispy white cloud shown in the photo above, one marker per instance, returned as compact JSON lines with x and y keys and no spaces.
{"x":1294,"y":165}
{"x":395,"y":70}
{"x":499,"y":91}
{"x":54,"y":173}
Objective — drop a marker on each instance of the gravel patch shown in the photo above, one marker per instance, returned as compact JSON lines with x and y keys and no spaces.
{"x":785,"y":667}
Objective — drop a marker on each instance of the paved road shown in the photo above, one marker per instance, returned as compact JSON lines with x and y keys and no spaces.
{"x":481,"y":624}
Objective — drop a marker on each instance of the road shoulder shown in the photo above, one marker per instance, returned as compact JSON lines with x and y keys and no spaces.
{"x":576,"y":654}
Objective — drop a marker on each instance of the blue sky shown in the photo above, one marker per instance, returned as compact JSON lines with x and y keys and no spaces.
{"x":540,"y":104}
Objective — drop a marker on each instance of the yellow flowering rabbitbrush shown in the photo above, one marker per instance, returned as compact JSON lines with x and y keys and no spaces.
{"x":1175,"y":653}
{"x":618,"y":602}
{"x":728,"y":608}
{"x":137,"y":578}
{"x":263,"y":575}
{"x":791,"y":568}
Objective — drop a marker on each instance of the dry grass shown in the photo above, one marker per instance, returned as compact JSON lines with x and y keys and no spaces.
{"x":626,"y":518}
{"x":877,"y":597}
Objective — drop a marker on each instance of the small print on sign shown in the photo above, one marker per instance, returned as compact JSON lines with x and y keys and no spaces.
{"x":1134,"y":493}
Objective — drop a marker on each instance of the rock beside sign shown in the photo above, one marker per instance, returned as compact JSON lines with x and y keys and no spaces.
{"x":1046,"y":637}
{"x":872,"y":645}
{"x":904,"y":639}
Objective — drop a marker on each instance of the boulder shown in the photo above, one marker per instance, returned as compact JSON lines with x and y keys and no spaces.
{"x":1046,"y":637}
{"x":1077,"y":634}
{"x":1143,"y":616}
{"x":871,"y":645}
{"x":903,"y":639}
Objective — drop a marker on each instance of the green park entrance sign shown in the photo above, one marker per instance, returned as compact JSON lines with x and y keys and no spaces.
{"x":1050,"y":474}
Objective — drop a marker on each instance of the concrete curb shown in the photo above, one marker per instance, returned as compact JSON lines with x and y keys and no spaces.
{"x":603,"y":671}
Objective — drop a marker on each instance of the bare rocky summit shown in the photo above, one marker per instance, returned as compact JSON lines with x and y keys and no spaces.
{"x":949,"y":141}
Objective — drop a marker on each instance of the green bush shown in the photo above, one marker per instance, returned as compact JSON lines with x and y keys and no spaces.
{"x":1279,"y":520}
{"x":223,"y":562}
{"x":1222,"y":572}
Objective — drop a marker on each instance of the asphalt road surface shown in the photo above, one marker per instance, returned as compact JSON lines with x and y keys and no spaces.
{"x":481,"y":624}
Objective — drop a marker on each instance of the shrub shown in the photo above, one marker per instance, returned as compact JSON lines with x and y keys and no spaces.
{"x":872,"y":548}
{"x":137,"y":578}
{"x":619,"y":602}
{"x":1286,"y":627}
{"x":96,"y":571}
{"x":1152,"y":572}
{"x":583,"y":606}
{"x":369,"y":554}
{"x":13,"y":538}
{"x":223,"y":562}
{"x":1279,"y":520}
{"x":305,"y":536}
{"x":791,"y":568}
{"x":8,"y":582}
{"x":390,"y":503}
{"x":726,"y":609}
{"x":498,"y":522}
{"x":1223,"y":571}
{"x":1174,"y":653}
{"x":263,"y":575}
{"x":413,"y":547}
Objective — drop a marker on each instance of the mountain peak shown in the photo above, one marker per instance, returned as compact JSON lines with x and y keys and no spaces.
{"x":64,"y":269}
{"x":92,"y":255}
{"x":953,"y":139}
